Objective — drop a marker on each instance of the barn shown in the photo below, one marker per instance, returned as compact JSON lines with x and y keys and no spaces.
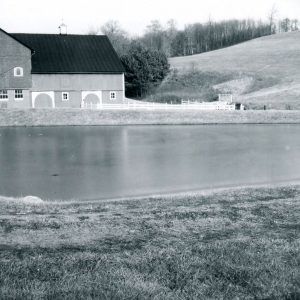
{"x":59,"y":71}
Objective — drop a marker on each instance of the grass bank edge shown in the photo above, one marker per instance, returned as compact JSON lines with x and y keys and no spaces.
{"x":77,"y":117}
{"x":168,"y":196}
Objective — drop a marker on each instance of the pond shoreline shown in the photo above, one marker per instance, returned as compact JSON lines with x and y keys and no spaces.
{"x":175,"y":195}
{"x":85,"y":117}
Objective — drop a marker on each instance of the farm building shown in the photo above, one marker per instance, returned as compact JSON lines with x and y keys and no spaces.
{"x":58,"y":71}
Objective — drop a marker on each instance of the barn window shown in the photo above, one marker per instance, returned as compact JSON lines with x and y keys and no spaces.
{"x":3,"y":94}
{"x":18,"y":72}
{"x":65,"y":96}
{"x":18,"y":94}
{"x":113,"y":96}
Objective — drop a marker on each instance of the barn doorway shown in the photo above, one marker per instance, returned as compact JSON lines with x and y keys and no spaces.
{"x":91,"y":99}
{"x":43,"y":100}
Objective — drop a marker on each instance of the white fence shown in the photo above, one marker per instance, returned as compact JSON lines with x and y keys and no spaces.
{"x":164,"y":106}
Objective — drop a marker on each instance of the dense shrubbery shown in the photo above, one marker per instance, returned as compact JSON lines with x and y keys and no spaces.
{"x":145,"y":69}
{"x":192,"y":85}
{"x":165,"y":98}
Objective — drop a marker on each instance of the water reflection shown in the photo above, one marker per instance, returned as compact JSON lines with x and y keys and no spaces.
{"x":102,"y":162}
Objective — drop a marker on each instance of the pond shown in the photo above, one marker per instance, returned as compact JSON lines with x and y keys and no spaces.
{"x":65,"y":163}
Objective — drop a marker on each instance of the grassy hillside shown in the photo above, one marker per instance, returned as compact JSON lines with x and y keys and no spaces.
{"x":263,"y":71}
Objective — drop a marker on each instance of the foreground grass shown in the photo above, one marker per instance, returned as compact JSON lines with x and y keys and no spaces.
{"x":238,"y":244}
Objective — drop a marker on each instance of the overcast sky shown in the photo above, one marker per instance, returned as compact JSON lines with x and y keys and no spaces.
{"x":40,"y":16}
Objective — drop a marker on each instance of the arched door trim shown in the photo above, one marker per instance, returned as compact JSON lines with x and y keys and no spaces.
{"x":34,"y":95}
{"x":84,"y":94}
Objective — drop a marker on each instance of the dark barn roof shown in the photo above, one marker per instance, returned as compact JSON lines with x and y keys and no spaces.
{"x":73,"y":54}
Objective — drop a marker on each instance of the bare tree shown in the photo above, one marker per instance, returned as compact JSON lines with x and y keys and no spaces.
{"x":112,"y":27}
{"x":117,"y":36}
{"x":155,"y":35}
{"x":170,"y":35}
{"x":272,"y":18}
{"x":294,"y":24}
{"x":172,"y":26}
{"x":285,"y":25}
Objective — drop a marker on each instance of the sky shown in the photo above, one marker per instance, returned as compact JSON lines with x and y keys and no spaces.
{"x":40,"y":16}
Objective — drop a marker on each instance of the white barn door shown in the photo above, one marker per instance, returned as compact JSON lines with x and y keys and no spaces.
{"x":91,"y":99}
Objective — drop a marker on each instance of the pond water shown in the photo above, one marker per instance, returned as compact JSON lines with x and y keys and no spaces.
{"x":111,"y":162}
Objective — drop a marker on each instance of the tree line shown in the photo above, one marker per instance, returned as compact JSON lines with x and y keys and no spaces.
{"x":201,"y":37}
{"x":288,"y":25}
{"x":145,"y":57}
{"x":198,"y":37}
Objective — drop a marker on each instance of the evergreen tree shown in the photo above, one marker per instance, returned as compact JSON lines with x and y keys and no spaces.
{"x":144,"y":69}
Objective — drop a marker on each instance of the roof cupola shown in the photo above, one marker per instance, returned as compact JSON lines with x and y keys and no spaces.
{"x":63,"y":29}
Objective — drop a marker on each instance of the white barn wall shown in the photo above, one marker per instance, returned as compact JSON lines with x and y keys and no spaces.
{"x":75,"y":83}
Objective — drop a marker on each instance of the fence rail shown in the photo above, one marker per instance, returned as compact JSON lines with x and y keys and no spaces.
{"x":163,"y":106}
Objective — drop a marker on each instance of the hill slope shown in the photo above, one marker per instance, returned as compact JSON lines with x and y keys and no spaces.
{"x":264,"y":71}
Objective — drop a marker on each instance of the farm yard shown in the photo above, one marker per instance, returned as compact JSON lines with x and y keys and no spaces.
{"x":158,"y":164}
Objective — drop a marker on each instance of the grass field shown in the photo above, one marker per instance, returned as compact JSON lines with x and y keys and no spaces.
{"x":60,"y":117}
{"x":264,"y":71}
{"x":234,"y":244}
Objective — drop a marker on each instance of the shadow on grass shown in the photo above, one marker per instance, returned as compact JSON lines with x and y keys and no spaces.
{"x":183,"y":248}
